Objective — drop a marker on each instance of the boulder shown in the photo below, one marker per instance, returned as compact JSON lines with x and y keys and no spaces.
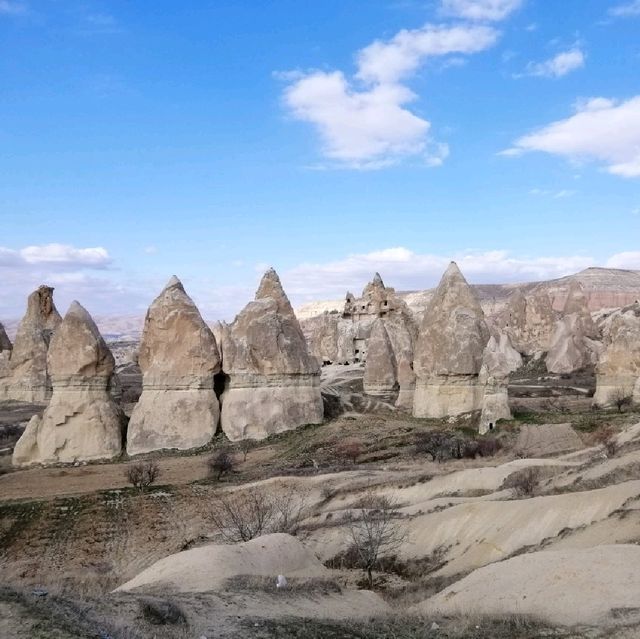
{"x":574,"y":342}
{"x":81,"y":421}
{"x":618,"y":370}
{"x":498,"y":361}
{"x":449,"y":350}
{"x":28,"y":379}
{"x":380,"y":370}
{"x":179,"y":358}
{"x":273,"y":382}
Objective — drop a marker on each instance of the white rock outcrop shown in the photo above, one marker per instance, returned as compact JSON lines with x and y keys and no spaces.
{"x":81,"y":421}
{"x":574,"y":344}
{"x":449,"y":350}
{"x":618,"y":371}
{"x":27,"y":379}
{"x":380,"y":369}
{"x":529,"y":321}
{"x":499,"y":360}
{"x":273,"y":382}
{"x":179,"y":358}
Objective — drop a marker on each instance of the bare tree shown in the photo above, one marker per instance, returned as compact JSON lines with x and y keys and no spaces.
{"x":242,"y":515}
{"x":290,"y":507}
{"x":375,"y":531}
{"x":244,"y":446}
{"x":621,"y":398}
{"x":220,"y":464}
{"x":143,"y":474}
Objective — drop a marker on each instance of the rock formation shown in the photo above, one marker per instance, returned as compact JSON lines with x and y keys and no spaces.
{"x":380,"y":370}
{"x":498,"y":361}
{"x":529,"y":321}
{"x":81,"y":421}
{"x":273,"y":382}
{"x":449,"y":350}
{"x":179,"y":358}
{"x":5,"y":354}
{"x":28,"y":379}
{"x":618,"y":371}
{"x":573,"y":344}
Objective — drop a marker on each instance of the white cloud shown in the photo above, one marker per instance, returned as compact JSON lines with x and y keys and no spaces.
{"x":364,"y":122}
{"x":491,"y":10}
{"x":626,"y":9}
{"x":628,"y":259}
{"x":558,"y":66}
{"x":391,"y":61}
{"x":63,"y":254}
{"x":407,"y":270}
{"x":601,"y":130}
{"x":150,"y":250}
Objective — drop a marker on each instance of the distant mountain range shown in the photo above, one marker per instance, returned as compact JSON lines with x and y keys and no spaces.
{"x":604,"y":288}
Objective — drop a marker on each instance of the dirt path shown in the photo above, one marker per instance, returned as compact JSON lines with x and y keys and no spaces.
{"x":47,"y":483}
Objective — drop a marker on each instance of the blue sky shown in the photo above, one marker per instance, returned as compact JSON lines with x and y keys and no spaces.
{"x":329,"y":139}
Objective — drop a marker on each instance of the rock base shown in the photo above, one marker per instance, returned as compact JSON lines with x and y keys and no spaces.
{"x":259,"y":411}
{"x":447,"y":397}
{"x":77,"y":425}
{"x":179,"y":419}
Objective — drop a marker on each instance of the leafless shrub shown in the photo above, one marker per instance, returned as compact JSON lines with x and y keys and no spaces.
{"x":143,"y":474}
{"x":349,"y":449}
{"x":242,"y":515}
{"x":290,"y":507}
{"x":488,"y":446}
{"x":161,"y":612}
{"x":220,"y":464}
{"x":606,"y":436}
{"x":375,"y":532}
{"x":434,"y":443}
{"x":524,"y":481}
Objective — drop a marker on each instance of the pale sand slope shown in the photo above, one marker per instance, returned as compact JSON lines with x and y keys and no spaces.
{"x":480,"y":532}
{"x":591,"y":587}
{"x":486,"y":479}
{"x":206,"y":568}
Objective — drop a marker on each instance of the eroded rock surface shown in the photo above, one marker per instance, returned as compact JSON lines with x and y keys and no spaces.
{"x":179,"y":358}
{"x":618,"y":370}
{"x":529,"y":321}
{"x":380,"y":370}
{"x":81,"y":421}
{"x":449,"y":350}
{"x":27,"y":379}
{"x":499,"y":360}
{"x":574,"y":344}
{"x":273,"y":381}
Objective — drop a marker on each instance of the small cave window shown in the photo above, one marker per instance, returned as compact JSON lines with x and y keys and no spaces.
{"x":490,"y":425}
